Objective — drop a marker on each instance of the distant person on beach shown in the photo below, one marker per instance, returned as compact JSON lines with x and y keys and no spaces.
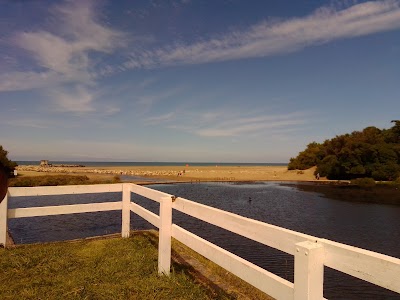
{"x":3,"y":182}
{"x":317,"y":176}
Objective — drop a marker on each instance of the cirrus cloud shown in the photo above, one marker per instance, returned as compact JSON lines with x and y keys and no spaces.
{"x":276,"y":37}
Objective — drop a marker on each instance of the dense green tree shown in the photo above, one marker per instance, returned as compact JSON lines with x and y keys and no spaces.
{"x":329,"y":166}
{"x":371,"y":152}
{"x":7,"y":164}
{"x":396,"y":131}
{"x":308,"y":158}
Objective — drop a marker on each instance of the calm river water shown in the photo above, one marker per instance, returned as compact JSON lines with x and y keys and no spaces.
{"x":369,"y":226}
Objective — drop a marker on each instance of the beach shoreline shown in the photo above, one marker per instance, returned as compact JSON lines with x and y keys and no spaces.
{"x":178,"y":173}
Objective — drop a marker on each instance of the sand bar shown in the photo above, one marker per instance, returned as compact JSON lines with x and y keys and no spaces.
{"x":181,"y":173}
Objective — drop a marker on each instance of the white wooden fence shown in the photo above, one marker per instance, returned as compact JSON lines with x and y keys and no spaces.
{"x":311,"y":254}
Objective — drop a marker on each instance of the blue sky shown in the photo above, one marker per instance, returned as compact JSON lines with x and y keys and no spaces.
{"x":193,"y":80}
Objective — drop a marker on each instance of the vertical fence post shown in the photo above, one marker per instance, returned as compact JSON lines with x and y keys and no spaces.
{"x":126,"y":210}
{"x":308,"y":271}
{"x":164,"y":239}
{"x":3,"y":221}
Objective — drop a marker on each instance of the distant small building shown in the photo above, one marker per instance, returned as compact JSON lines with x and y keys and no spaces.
{"x":45,"y":163}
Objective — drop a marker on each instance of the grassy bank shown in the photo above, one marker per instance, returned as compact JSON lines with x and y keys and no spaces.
{"x":113,"y":268}
{"x":97,"y":269}
{"x":52,"y":180}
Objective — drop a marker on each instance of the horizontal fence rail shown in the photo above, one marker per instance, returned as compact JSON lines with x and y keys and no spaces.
{"x":150,"y":217}
{"x":311,"y":253}
{"x":62,"y":209}
{"x":379,"y":269}
{"x":64,"y":190}
{"x":267,"y":234}
{"x":265,"y":281}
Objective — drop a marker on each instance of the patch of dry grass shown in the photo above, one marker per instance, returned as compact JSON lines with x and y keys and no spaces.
{"x":93,"y":269}
{"x":53,"y":180}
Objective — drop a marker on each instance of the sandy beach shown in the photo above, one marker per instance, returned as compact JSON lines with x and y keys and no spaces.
{"x":179,"y":173}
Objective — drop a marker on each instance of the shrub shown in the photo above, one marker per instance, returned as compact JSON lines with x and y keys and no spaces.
{"x":49,"y":180}
{"x":8,"y":165}
{"x":364,"y":182}
{"x":116,"y":179}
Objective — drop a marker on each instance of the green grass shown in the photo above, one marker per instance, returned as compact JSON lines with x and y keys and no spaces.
{"x":95,"y":269}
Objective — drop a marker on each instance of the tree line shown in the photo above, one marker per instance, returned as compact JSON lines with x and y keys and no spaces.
{"x":372,"y":153}
{"x":6,"y":165}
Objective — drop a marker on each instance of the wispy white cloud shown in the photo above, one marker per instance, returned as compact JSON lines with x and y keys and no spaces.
{"x":75,"y":101}
{"x":147,"y":82}
{"x":61,"y":54}
{"x":236,"y":124}
{"x":29,"y":123}
{"x":236,"y":129}
{"x":19,"y":81}
{"x":155,"y":97}
{"x":78,"y":100}
{"x":65,"y":48}
{"x":277,"y":37}
{"x":144,"y":102}
{"x":155,"y":120}
{"x":224,"y":123}
{"x":88,"y":150}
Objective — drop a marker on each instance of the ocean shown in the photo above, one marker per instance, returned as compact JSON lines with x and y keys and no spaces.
{"x":127,"y":164}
